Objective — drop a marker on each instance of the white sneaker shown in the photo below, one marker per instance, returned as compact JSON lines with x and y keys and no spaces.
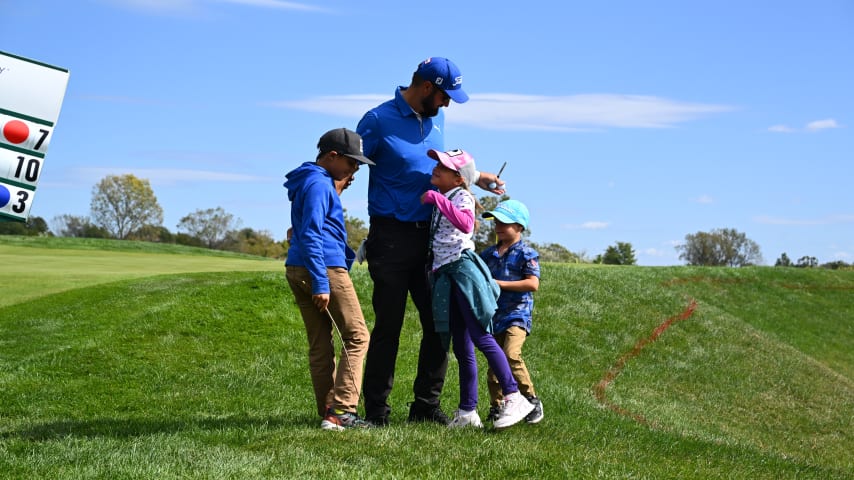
{"x":465,"y":419}
{"x":516,"y":408}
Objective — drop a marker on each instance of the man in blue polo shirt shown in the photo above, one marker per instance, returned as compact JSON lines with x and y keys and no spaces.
{"x":397,"y":135}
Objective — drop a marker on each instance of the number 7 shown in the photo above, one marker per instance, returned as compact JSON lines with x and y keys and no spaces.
{"x":41,"y":140}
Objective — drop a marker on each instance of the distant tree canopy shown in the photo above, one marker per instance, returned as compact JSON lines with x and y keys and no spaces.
{"x":66,"y":225}
{"x":555,"y":252}
{"x":34,"y":226}
{"x":837,"y":265}
{"x":720,"y":247}
{"x":211,"y":226}
{"x":253,"y":242}
{"x":807,"y":262}
{"x":356,"y":230}
{"x":621,"y":254}
{"x":783,"y":261}
{"x":122,"y":204}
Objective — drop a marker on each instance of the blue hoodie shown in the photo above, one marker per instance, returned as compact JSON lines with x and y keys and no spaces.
{"x":319,"y":237}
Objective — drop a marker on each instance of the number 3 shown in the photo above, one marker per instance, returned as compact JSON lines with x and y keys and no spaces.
{"x":22,"y":203}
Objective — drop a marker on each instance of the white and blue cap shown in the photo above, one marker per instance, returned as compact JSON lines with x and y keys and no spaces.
{"x":509,"y":211}
{"x":445,"y":75}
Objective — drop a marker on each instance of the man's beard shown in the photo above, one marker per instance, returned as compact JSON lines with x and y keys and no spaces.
{"x":427,"y":108}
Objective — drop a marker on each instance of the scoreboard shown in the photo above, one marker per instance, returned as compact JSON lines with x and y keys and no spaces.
{"x":31,"y":95}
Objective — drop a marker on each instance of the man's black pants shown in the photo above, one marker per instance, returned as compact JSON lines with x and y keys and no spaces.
{"x":397,"y":257}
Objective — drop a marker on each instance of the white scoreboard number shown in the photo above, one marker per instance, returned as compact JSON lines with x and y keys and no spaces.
{"x":31,"y":95}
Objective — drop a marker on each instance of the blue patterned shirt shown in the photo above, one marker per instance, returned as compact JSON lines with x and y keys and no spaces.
{"x":519,"y":261}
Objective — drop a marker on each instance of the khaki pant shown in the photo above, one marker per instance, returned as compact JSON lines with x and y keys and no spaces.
{"x":511,"y":341}
{"x":333,"y":387}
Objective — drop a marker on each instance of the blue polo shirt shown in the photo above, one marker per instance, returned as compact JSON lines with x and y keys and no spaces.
{"x":397,"y":140}
{"x":519,"y":261}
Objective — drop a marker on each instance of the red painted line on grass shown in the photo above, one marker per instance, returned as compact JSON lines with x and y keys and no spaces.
{"x":617,"y":368}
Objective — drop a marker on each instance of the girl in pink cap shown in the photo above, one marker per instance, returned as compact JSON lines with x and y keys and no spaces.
{"x":464,"y":293}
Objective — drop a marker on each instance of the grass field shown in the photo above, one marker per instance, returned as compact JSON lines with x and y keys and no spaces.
{"x":122,"y":360}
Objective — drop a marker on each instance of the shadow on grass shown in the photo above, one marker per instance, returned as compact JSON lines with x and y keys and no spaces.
{"x":130,"y":427}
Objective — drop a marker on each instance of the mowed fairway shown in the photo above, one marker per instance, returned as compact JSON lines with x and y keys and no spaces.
{"x":33,"y":270}
{"x":645,"y":373}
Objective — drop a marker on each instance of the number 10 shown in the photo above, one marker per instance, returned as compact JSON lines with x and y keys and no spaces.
{"x":31,"y":174}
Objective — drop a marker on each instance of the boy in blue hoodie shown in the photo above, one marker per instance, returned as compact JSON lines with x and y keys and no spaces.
{"x":317,"y":271}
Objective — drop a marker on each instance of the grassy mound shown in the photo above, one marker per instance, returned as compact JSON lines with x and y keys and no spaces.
{"x":644,"y":373}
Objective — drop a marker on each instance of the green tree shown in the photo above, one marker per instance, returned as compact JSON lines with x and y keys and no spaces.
{"x":720,"y":247}
{"x":783,"y":261}
{"x":66,"y":225}
{"x":152,"y":233}
{"x":34,"y":226}
{"x":253,"y":242}
{"x":189,"y":240}
{"x":356,"y":230}
{"x":621,"y":254}
{"x":807,"y":262}
{"x":211,"y":226}
{"x":122,"y":204}
{"x":555,"y":253}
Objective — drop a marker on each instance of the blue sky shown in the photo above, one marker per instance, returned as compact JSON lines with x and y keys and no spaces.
{"x":631,"y":121}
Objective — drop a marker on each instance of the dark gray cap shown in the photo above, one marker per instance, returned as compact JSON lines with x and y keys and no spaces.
{"x":344,"y":141}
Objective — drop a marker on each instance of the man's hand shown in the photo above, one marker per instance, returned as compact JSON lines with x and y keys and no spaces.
{"x":486,"y":179}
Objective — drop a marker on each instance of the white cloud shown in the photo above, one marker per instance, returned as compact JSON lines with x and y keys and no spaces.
{"x":156,"y":6}
{"x":822,"y":125}
{"x":705,"y":199}
{"x":278,"y":4}
{"x":593,"y":225}
{"x":828,"y":220}
{"x":780,"y":129}
{"x":653,"y":252}
{"x":503,"y":111}
{"x":810,"y":127}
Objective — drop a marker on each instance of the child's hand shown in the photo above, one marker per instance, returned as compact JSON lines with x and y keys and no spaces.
{"x":430,"y":197}
{"x":321,"y":300}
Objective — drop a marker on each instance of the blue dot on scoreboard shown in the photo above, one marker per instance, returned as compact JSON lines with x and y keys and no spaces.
{"x":4,"y":196}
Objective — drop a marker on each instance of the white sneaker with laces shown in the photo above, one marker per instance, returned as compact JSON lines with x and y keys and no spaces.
{"x":463,"y":418}
{"x":516,"y":408}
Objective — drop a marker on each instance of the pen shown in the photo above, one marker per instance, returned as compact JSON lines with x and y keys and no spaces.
{"x":493,"y":184}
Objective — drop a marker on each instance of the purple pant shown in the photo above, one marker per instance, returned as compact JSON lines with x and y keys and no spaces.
{"x":467,"y":333}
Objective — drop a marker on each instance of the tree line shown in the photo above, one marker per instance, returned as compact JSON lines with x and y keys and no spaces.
{"x":124,"y":207}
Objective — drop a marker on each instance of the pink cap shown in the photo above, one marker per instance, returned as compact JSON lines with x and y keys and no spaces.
{"x":458,"y":161}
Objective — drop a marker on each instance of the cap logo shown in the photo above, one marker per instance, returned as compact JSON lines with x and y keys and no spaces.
{"x":458,"y":81}
{"x":438,"y":80}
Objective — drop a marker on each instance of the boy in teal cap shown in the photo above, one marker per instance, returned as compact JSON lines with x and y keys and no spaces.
{"x":515,"y":267}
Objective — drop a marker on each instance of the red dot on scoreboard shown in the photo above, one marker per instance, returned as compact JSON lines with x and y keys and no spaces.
{"x":16,"y":131}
